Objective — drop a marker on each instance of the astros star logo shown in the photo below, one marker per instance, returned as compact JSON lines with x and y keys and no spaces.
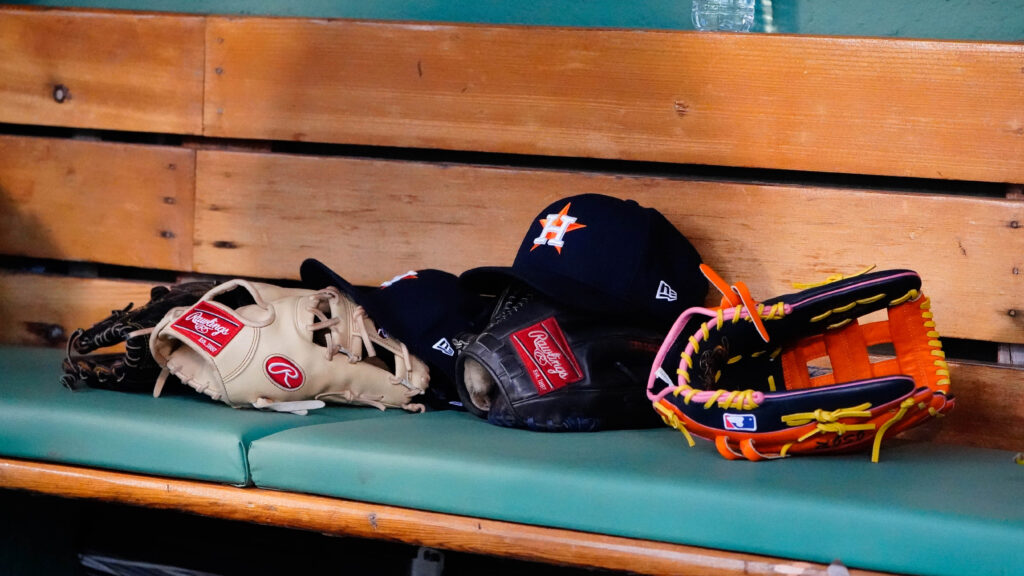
{"x":556,"y":226}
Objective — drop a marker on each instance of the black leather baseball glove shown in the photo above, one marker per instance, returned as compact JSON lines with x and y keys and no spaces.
{"x":540,"y":366}
{"x":131,"y":368}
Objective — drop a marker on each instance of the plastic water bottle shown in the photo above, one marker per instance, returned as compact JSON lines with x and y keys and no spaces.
{"x":729,"y":15}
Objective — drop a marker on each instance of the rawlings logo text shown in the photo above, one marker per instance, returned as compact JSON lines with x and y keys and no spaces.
{"x":206,"y":325}
{"x":550,"y":360}
{"x":545,"y":353}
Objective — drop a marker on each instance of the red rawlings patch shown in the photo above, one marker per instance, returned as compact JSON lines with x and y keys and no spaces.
{"x":547,"y":356}
{"x":283,"y":372}
{"x":208,"y":326}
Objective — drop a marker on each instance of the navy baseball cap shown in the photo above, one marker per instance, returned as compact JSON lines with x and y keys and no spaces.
{"x":605,"y":255}
{"x":428,"y":310}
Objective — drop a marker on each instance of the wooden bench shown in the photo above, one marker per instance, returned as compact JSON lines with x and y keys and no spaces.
{"x":141,"y":148}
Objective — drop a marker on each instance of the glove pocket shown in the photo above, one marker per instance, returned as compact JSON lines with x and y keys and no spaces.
{"x":205,"y":346}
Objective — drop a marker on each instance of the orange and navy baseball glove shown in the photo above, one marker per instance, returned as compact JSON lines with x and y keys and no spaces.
{"x":795,"y":374}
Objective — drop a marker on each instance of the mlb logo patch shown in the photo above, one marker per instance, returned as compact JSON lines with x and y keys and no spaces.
{"x":740,"y":422}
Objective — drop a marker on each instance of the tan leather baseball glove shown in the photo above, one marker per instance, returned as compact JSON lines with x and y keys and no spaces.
{"x":251,"y":344}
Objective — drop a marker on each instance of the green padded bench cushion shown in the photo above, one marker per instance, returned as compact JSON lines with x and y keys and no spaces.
{"x":925,"y":508}
{"x":185,"y":435}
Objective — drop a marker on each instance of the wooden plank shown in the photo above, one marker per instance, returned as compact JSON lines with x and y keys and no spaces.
{"x":933,"y":109}
{"x":120,"y":71}
{"x":113,"y":203}
{"x":260,"y":215}
{"x":990,"y":408}
{"x":43,"y":310}
{"x":417,"y":527}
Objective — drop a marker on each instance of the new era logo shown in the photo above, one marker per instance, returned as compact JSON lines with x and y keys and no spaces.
{"x":665,"y":292}
{"x":444,"y":347}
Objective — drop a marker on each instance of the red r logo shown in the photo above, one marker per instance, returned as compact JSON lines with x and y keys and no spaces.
{"x":284,"y":373}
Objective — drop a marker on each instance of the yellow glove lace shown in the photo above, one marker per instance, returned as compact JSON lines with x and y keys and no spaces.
{"x":828,"y":421}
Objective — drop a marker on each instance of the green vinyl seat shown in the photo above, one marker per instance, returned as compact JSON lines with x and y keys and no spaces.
{"x":184,"y":435}
{"x":925,"y":508}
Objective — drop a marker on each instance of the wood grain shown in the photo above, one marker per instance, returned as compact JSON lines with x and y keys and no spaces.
{"x":990,"y":408}
{"x":121,"y":71}
{"x":417,"y":527}
{"x":260,"y":215}
{"x":43,"y":310}
{"x":932,"y":109}
{"x":113,"y":203}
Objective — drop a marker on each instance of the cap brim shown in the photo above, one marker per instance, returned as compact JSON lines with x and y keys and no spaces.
{"x":491,"y":280}
{"x":316,"y":275}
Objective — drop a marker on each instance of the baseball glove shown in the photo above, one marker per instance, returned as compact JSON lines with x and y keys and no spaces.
{"x":541,"y":367}
{"x":131,"y":368}
{"x":792,"y":375}
{"x":251,"y":344}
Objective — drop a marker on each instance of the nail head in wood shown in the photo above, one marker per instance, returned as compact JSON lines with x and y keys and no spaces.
{"x":61,"y":94}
